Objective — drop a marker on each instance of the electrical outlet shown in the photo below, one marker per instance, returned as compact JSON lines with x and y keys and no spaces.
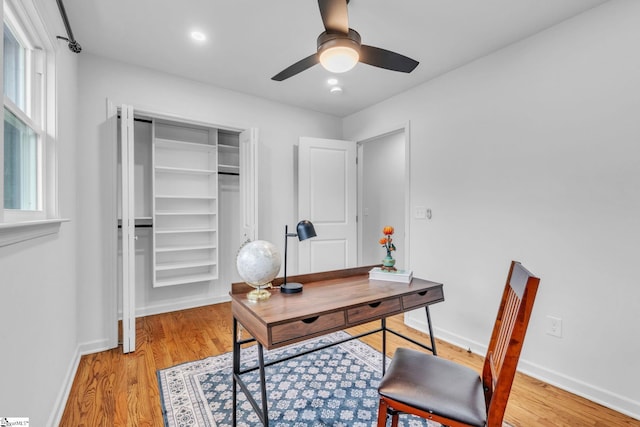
{"x":554,"y":326}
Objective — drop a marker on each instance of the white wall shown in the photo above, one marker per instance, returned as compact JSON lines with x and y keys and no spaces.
{"x":532,"y":154}
{"x":279,"y":129}
{"x":38,"y":280}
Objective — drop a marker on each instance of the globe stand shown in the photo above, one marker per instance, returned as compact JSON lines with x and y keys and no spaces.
{"x":259,"y":294}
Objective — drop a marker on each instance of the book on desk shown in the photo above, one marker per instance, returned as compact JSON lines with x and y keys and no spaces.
{"x":403,"y":276}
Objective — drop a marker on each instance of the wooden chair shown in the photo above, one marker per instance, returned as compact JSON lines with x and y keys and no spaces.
{"x":455,"y":395}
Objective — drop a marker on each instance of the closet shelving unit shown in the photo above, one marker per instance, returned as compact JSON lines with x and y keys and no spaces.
{"x":228,"y":153}
{"x":185,"y":205}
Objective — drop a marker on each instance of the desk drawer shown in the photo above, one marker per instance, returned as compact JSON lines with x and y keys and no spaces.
{"x":374,"y":310}
{"x":422,"y":298}
{"x":307,"y":327}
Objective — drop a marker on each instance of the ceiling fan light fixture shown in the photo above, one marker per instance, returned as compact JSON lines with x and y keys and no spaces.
{"x":339,"y":47}
{"x":338,"y":53}
{"x":339,"y":59}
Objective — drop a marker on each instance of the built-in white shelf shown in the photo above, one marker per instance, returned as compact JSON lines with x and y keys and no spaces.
{"x":178,"y":265}
{"x":228,"y":153}
{"x":229,"y":168}
{"x":185,"y":205}
{"x":177,"y":213}
{"x":172,"y":144}
{"x":168,"y":169}
{"x":182,"y":196}
{"x":181,"y":280}
{"x":176,"y":248}
{"x":185,"y":230}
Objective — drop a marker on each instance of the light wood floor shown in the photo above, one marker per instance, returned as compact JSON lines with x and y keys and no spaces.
{"x":114,"y":389}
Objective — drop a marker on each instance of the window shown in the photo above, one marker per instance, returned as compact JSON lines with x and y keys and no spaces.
{"x":14,"y":69}
{"x":23,"y":125}
{"x":28,"y":192}
{"x":21,"y":171}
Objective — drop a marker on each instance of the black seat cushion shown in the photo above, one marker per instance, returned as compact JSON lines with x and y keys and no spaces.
{"x":435,"y":385}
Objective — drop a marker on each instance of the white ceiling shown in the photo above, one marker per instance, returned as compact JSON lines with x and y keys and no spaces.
{"x":249,"y":41}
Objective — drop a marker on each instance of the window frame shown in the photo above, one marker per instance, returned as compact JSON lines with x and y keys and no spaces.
{"x":25,"y":22}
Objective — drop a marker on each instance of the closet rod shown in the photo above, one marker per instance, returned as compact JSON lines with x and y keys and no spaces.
{"x":135,"y":119}
{"x":140,"y":226}
{"x":74,"y":46}
{"x":229,"y":173}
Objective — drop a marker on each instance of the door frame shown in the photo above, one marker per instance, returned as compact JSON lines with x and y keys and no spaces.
{"x":406,"y":129}
{"x":128,"y":229}
{"x":110,"y":138}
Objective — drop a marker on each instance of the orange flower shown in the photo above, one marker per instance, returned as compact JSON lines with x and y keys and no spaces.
{"x":388,"y":230}
{"x":383,"y":241}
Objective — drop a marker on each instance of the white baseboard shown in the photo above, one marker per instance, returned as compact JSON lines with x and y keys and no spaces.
{"x":96,"y":346}
{"x":595,"y":394}
{"x":63,"y":394}
{"x":105,"y":344}
{"x":179,"y":305}
{"x":168,"y":307}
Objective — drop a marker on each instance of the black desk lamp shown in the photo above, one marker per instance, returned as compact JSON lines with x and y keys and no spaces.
{"x":305,"y":231}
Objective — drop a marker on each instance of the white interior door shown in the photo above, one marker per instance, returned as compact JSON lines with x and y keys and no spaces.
{"x":249,"y":184}
{"x":327,"y":190}
{"x":128,"y":230}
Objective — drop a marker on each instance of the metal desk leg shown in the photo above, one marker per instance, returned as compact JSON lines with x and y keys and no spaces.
{"x":383,"y":324}
{"x":263,"y":386}
{"x":236,"y":369}
{"x":433,"y":339}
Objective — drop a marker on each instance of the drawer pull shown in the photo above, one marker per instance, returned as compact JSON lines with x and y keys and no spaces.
{"x":310,"y":319}
{"x":375,"y":304}
{"x":422,"y":297}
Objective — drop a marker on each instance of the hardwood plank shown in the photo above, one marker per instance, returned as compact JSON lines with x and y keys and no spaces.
{"x":115,"y":389}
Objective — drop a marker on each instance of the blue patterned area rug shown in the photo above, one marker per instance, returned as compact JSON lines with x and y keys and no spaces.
{"x":336,"y":386}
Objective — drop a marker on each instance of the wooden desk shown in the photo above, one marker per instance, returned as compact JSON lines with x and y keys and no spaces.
{"x":331,"y":301}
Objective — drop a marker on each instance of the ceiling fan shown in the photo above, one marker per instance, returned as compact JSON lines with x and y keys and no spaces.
{"x":340,"y":48}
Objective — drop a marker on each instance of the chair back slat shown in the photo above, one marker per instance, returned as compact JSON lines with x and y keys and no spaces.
{"x":494,"y":369}
{"x":507,"y":339}
{"x":511,"y":307}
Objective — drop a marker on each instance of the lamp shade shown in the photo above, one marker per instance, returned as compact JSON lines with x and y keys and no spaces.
{"x":305,"y":230}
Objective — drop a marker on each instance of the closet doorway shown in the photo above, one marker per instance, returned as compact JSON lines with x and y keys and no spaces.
{"x":384,"y":195}
{"x":185,"y":202}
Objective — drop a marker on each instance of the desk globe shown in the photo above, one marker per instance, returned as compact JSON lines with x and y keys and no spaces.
{"x":258,"y":263}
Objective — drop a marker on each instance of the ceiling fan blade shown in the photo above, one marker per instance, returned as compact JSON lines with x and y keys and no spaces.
{"x":334,"y":15}
{"x":386,"y":59}
{"x":296,"y":68}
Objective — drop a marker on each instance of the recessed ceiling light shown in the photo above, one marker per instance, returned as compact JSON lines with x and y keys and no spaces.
{"x":332,"y":81}
{"x":198,"y":36}
{"x":336,"y":89}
